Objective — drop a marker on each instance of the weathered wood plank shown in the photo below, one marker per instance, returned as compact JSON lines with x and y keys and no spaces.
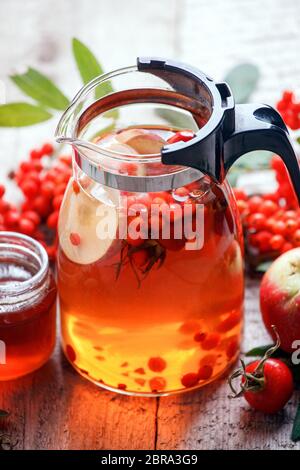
{"x":208,"y":419}
{"x":56,"y":409}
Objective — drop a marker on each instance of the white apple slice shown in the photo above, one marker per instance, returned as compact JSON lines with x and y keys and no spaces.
{"x":142,"y":141}
{"x":88,"y":225}
{"x":118,"y":147}
{"x":132,"y":167}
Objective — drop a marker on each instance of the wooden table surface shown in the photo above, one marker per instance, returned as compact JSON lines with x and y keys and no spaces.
{"x":55,"y":408}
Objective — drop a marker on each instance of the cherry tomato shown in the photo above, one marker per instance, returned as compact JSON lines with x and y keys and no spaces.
{"x":277,"y":388}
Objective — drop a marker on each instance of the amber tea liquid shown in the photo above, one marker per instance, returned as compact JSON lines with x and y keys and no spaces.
{"x":150,"y":316}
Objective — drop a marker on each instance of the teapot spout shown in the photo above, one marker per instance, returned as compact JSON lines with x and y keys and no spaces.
{"x":64,"y":140}
{"x":65,"y":127}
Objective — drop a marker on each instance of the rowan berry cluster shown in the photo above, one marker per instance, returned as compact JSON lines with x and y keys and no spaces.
{"x":42,"y":180}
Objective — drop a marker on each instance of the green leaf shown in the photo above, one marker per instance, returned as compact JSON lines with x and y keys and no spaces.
{"x":260,"y":351}
{"x":22,"y":114}
{"x":41,"y":89}
{"x":242,"y":80}
{"x":296,"y":426}
{"x":298,"y":140}
{"x":263,"y":267}
{"x":4,"y":414}
{"x":89,"y":67}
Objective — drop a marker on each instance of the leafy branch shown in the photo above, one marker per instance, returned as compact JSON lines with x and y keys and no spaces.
{"x":41,"y":89}
{"x":46,"y":94}
{"x":89,"y":67}
{"x":22,"y":114}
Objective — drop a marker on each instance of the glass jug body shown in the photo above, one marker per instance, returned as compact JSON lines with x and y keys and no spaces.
{"x":150,"y":264}
{"x":150,"y":314}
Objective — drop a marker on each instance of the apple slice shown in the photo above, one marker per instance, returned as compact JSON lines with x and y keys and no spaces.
{"x":83,"y":224}
{"x":117,"y":147}
{"x":142,"y":141}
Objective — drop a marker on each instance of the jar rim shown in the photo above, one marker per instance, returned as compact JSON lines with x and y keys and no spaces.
{"x":29,"y":247}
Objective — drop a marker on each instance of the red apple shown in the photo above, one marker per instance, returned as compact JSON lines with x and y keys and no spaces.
{"x":280,"y":298}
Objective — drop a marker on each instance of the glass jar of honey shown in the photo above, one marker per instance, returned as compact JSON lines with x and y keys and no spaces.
{"x":27,"y":306}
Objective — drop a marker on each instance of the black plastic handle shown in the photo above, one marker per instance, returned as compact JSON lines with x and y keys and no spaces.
{"x":260,"y":127}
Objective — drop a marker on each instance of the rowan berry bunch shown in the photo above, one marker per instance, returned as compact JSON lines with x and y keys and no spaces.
{"x":272,"y":221}
{"x":42,"y":178}
{"x":285,"y":190}
{"x":271,"y":225}
{"x":289,"y":109}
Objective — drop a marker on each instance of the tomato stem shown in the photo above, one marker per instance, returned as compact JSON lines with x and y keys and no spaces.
{"x":255,"y":381}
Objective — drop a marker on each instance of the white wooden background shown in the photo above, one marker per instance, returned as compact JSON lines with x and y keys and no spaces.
{"x":212,"y":35}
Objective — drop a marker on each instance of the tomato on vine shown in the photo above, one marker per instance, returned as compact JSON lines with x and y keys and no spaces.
{"x":266,"y":384}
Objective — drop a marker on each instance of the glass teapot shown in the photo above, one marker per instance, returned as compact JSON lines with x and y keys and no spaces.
{"x":150,"y":264}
